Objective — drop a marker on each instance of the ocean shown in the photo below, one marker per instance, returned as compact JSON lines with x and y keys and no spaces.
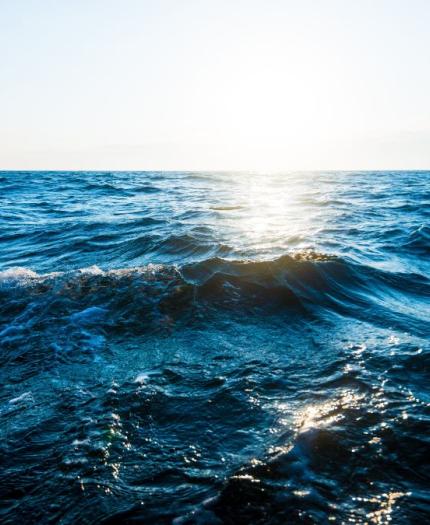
{"x":214,"y":348}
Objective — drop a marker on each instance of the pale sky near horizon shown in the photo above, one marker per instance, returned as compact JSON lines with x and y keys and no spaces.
{"x":221,"y":84}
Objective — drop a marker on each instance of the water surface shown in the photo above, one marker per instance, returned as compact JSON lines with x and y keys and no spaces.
{"x":215,"y":348}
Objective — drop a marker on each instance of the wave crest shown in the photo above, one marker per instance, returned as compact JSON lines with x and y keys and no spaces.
{"x":159,"y":295}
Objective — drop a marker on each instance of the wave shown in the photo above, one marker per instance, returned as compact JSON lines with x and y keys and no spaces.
{"x":146,"y":188}
{"x":160,"y":296}
{"x":226,"y":208}
{"x":419,"y":240}
{"x":196,"y":244}
{"x":294,"y":484}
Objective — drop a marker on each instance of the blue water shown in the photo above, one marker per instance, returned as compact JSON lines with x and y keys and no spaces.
{"x":214,"y":348}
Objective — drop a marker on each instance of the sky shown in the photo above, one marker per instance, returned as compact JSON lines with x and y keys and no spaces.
{"x":214,"y":84}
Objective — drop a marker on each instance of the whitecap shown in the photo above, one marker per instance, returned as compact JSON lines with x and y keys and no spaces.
{"x":17,"y":274}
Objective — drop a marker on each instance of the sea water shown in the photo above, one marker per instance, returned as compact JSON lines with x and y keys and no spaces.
{"x":220,"y":348}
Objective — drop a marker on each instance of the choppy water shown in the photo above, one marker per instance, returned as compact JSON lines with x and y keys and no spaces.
{"x":202,"y":348}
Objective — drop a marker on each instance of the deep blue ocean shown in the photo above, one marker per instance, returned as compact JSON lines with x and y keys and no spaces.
{"x":214,"y":348}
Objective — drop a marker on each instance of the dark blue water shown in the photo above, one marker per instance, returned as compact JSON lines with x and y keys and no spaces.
{"x":214,"y":348}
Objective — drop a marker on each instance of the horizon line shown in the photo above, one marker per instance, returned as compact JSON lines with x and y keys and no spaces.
{"x":212,"y":170}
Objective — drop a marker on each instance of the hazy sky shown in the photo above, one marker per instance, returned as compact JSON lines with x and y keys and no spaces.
{"x":214,"y":84}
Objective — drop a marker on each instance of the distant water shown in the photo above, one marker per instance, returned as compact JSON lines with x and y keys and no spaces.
{"x":214,"y":348}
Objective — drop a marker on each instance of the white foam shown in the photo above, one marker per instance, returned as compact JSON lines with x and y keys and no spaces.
{"x":91,"y":270}
{"x":17,"y":274}
{"x":142,"y":378}
{"x":26,"y":396}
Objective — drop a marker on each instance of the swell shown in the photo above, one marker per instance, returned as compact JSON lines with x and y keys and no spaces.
{"x":161,"y":297}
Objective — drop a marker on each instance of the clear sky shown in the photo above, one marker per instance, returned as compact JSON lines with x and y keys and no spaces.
{"x":215,"y":84}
